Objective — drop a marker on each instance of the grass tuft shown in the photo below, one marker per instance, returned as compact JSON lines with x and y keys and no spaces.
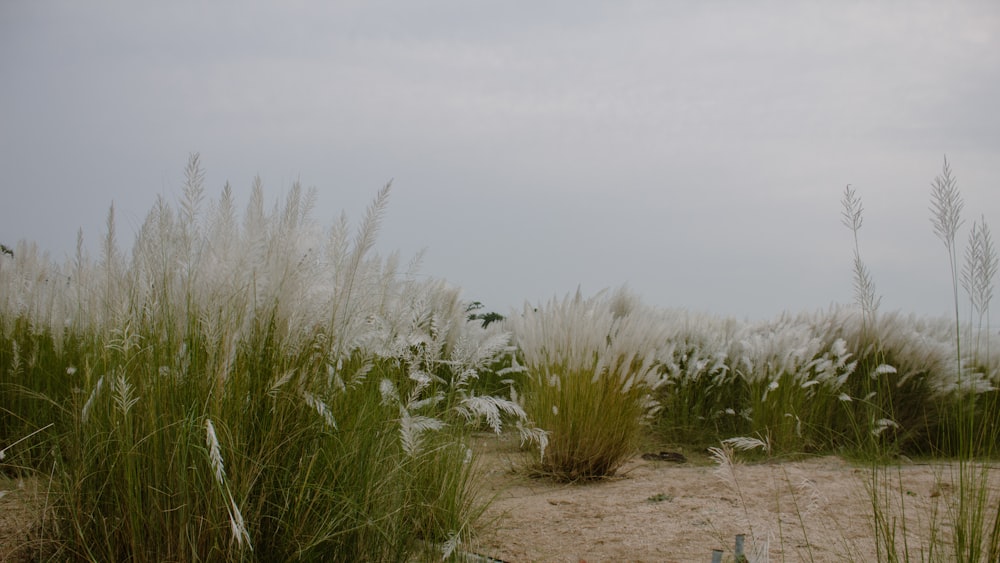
{"x":591,"y":370}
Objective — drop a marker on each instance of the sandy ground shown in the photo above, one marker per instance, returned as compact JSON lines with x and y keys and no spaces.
{"x":808,"y":510}
{"x":811,"y":510}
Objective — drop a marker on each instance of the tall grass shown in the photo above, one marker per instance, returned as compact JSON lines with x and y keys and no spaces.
{"x":912,"y":388}
{"x":807,"y":381}
{"x":240,"y":390}
{"x":701,"y":397}
{"x":965,"y":419}
{"x":251,"y":386}
{"x":975,"y":428}
{"x":591,"y":369}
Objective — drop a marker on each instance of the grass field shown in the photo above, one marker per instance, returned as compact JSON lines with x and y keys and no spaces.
{"x":256,"y":387}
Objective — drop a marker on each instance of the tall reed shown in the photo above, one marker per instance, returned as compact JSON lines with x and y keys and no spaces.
{"x":975,"y":430}
{"x":247,"y":389}
{"x":959,"y":411}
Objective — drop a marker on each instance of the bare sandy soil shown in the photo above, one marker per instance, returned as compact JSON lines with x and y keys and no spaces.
{"x":808,"y":510}
{"x":812,"y":510}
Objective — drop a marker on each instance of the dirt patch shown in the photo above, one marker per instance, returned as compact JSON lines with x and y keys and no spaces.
{"x":816,"y":509}
{"x":656,"y":510}
{"x":21,"y":506}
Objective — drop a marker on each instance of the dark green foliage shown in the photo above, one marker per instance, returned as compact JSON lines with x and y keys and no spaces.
{"x":485,"y":318}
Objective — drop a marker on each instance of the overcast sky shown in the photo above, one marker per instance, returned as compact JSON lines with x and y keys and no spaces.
{"x":696,"y":151}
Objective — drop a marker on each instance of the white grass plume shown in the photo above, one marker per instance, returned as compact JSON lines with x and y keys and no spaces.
{"x":864,"y":286}
{"x":123,"y":394}
{"x":215,"y":452}
{"x":946,"y":206}
{"x":320,"y":407}
{"x":978,"y":276}
{"x":980,"y":267}
{"x":946,"y":217}
{"x":490,"y":408}
{"x":237,"y":524}
{"x":412,"y":428}
{"x":592,"y":335}
{"x":347,"y":277}
{"x":746,"y":443}
{"x":89,"y":404}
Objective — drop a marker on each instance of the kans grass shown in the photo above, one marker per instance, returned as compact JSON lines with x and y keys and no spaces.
{"x":244,"y":390}
{"x":263,"y":389}
{"x":914,"y":389}
{"x":963,"y":411}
